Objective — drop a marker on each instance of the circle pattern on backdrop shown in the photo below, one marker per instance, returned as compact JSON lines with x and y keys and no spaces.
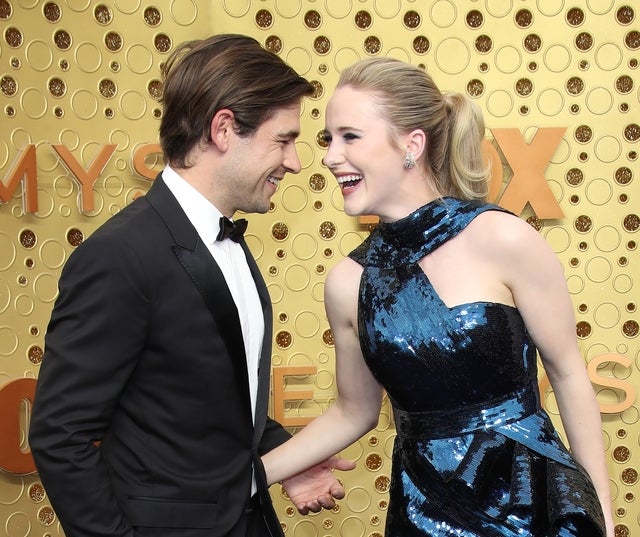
{"x":525,"y":65}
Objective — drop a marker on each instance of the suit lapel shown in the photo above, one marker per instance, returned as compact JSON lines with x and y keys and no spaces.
{"x":207,"y":277}
{"x":264,"y":370}
{"x":262,"y":403}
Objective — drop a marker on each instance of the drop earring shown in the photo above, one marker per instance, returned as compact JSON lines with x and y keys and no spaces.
{"x":409,"y":162}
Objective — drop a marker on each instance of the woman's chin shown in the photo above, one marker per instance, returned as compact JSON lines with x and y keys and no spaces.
{"x":352,"y":212}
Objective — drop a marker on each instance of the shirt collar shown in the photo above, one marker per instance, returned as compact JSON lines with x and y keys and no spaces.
{"x":202,"y":214}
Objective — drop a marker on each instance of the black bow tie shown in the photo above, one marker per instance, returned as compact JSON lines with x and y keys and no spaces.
{"x":231,"y":230}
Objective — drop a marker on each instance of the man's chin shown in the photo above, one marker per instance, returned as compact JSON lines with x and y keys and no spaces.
{"x":257,"y":209}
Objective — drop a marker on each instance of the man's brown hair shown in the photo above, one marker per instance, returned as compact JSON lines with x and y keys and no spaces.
{"x":228,"y":71}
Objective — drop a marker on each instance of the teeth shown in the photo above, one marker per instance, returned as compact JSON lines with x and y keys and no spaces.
{"x":273,"y":180}
{"x":349,"y":178}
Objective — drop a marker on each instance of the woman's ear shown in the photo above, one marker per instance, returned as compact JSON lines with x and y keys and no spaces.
{"x":416,"y":143}
{"x":222,"y":128}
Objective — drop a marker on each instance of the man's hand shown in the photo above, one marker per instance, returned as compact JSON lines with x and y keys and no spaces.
{"x":317,"y":488}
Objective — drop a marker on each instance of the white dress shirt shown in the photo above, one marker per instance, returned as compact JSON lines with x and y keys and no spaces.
{"x":231,"y":259}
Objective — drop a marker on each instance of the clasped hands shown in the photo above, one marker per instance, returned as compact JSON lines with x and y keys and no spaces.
{"x":317,"y":488}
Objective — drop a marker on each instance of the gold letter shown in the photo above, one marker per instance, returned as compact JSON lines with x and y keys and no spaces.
{"x":16,"y":397}
{"x":626,"y":387}
{"x":528,"y":163}
{"x":279,"y":396}
{"x":139,"y":157}
{"x":493,"y":160}
{"x":25,"y":166}
{"x":86,"y":177}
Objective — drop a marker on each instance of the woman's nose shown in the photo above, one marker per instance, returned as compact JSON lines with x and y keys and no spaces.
{"x":332,"y":157}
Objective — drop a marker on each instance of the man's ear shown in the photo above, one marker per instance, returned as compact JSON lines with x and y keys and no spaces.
{"x":222,"y":128}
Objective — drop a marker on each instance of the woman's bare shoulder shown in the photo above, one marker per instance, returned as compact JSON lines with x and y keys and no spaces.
{"x":497,"y":229}
{"x":345,"y":273}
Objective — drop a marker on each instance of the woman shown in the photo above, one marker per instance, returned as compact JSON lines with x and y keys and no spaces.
{"x":444,"y":306}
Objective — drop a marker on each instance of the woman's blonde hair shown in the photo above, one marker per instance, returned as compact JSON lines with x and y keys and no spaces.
{"x":409,"y":99}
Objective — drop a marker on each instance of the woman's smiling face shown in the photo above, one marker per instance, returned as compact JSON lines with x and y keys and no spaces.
{"x":361,"y":153}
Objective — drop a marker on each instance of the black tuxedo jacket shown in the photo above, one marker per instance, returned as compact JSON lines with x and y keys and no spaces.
{"x":142,"y":420}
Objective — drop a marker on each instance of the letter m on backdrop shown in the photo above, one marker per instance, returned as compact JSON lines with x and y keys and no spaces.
{"x":23,"y":169}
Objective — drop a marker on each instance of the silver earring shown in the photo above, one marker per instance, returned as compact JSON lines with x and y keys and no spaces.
{"x":409,"y":161}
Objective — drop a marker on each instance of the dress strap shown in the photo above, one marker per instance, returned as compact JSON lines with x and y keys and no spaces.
{"x":407,"y":240}
{"x":458,"y":421}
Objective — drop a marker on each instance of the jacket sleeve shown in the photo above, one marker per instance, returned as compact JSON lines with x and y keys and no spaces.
{"x":274,"y":435}
{"x":96,"y":332}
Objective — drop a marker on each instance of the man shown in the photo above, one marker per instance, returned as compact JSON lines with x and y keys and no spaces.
{"x":150,"y":413}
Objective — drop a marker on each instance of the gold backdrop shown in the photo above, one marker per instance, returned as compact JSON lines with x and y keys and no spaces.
{"x":79,"y":82}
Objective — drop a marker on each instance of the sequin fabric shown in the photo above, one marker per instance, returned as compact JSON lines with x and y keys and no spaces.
{"x":475,"y":454}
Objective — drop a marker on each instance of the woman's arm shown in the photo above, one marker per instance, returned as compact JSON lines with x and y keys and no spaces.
{"x":357,"y":407}
{"x":537,"y":282}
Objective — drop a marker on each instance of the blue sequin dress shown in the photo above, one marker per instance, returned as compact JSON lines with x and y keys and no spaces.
{"x":475,"y":454}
